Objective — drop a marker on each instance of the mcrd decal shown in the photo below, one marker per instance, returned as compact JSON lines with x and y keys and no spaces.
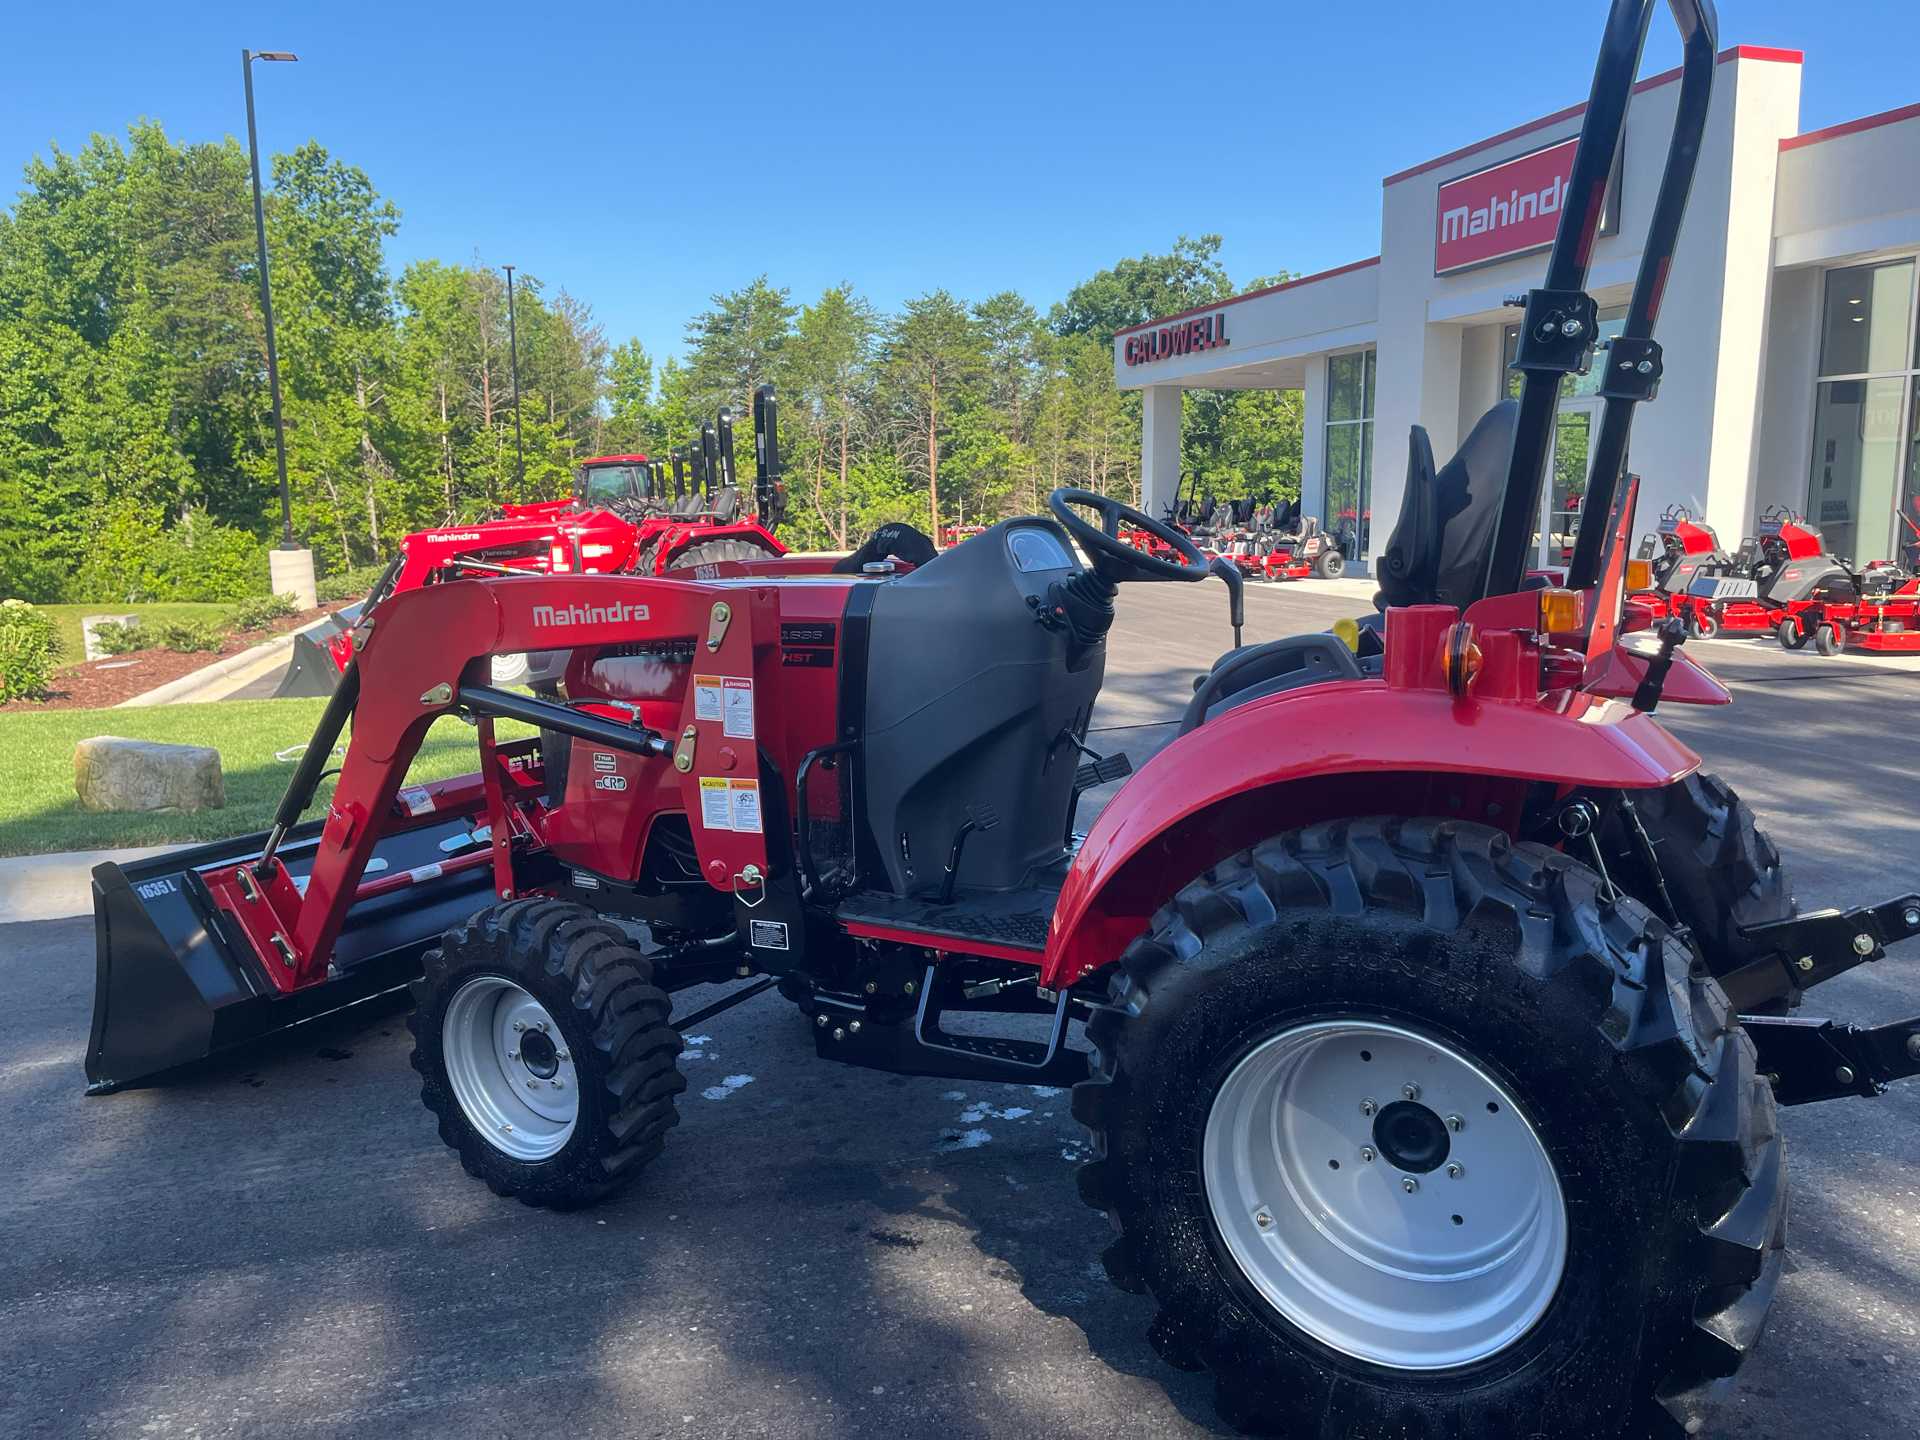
{"x":609,"y":782}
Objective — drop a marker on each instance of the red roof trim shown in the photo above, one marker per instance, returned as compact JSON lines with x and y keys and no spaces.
{"x":1851,"y":127}
{"x":614,"y":460}
{"x":1738,"y":52}
{"x":1249,"y":295}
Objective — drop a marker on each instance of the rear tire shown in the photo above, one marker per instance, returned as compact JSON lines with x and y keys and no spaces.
{"x":1828,"y":640}
{"x":1792,"y":634}
{"x":712,"y":551}
{"x":558,"y":970}
{"x":1721,"y":870}
{"x":1330,"y":565}
{"x":1587,"y":1015}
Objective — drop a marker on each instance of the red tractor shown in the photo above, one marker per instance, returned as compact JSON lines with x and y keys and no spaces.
{"x":1437,"y":1002}
{"x":620,"y":520}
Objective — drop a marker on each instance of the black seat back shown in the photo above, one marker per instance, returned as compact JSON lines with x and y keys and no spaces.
{"x":1438,"y":551}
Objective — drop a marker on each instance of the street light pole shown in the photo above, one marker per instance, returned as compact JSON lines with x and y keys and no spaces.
{"x":247,"y":57}
{"x":513,"y":359}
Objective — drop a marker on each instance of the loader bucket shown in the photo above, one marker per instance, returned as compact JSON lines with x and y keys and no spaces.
{"x":311,"y":672}
{"x":176,"y":980}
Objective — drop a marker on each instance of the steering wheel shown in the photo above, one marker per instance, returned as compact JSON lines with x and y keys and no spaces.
{"x":1111,"y":554}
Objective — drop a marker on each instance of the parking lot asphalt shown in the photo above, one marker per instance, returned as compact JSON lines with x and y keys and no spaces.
{"x":278,"y":1244}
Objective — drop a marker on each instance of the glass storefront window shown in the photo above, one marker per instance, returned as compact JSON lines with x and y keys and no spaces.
{"x":1349,"y":477}
{"x":1856,"y":449}
{"x":1865,"y":326}
{"x":1864,"y":489}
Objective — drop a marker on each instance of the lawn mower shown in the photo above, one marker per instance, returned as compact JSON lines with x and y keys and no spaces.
{"x":619,"y":520}
{"x":1688,"y":549}
{"x":1438,"y":1004}
{"x":1876,"y":610}
{"x":1762,"y":588}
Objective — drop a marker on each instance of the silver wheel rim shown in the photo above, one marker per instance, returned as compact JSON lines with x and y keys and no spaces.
{"x":1341,"y":1244}
{"x":523,"y":1096}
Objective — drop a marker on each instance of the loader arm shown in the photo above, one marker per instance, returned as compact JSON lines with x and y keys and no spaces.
{"x":424,"y":655}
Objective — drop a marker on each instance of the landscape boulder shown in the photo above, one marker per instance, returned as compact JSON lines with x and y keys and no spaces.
{"x":114,"y":773}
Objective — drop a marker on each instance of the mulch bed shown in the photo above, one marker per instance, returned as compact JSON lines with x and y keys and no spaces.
{"x":96,"y":684}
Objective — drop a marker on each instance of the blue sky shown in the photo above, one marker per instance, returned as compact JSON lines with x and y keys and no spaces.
{"x":645,"y":156}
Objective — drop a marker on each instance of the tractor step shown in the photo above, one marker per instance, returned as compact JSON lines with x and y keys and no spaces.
{"x":988,"y":921}
{"x":844,"y":1030}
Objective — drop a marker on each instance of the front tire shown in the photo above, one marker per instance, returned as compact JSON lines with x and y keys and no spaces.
{"x":1828,"y":640}
{"x":1621,"y":1181}
{"x":712,"y":551}
{"x":1702,"y":624}
{"x":544,"y":1050}
{"x":1792,"y":634}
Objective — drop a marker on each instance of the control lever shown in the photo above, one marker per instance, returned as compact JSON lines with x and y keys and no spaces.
{"x":1236,"y":593}
{"x":979,"y":817}
{"x":1646,"y":695}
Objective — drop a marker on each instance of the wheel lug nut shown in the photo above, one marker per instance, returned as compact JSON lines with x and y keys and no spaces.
{"x":1367,"y":1107}
{"x":854,"y":1026}
{"x":533,"y":1084}
{"x":513,"y":1054}
{"x":1366,"y":1153}
{"x":1454,"y":1172}
{"x":1263,"y":1219}
{"x":821,"y":1021}
{"x":1409,"y":1184}
{"x":543,"y":1027}
{"x":561,"y":1085}
{"x":1456,"y":1124}
{"x":838,"y":1033}
{"x":1412,"y":1092}
{"x":519,"y":1025}
{"x":560,"y":1055}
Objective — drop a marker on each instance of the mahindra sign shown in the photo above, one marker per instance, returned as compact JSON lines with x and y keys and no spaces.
{"x":1509,"y":209}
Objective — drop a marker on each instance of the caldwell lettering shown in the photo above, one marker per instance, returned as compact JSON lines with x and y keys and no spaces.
{"x":547,"y":615}
{"x":1183,"y":337}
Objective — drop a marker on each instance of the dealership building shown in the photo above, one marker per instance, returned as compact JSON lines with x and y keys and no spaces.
{"x":1788,"y":325}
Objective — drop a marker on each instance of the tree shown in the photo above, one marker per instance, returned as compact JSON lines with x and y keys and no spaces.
{"x":829,"y":364}
{"x":1136,"y":291}
{"x":737,"y":344}
{"x":932,"y":354}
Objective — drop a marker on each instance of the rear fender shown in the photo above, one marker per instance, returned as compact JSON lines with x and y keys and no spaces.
{"x":1342,"y":749}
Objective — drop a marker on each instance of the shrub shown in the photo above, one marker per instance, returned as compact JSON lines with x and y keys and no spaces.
{"x":348,"y":584}
{"x":186,"y":636}
{"x":113,"y":638}
{"x":28,"y":649}
{"x":132,"y":558}
{"x":257,"y":612}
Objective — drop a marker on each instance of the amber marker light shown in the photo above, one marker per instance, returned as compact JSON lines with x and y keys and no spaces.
{"x":1639,"y":574}
{"x":1559,"y":612}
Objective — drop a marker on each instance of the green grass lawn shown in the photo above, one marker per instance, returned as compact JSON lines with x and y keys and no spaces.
{"x":39,"y":811}
{"x":73,"y":647}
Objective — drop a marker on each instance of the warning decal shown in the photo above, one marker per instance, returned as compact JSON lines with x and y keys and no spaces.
{"x":745,"y":806}
{"x":716,"y":813}
{"x":738,"y":697}
{"x":419,"y":800}
{"x":767,"y":934}
{"x":706,"y":698}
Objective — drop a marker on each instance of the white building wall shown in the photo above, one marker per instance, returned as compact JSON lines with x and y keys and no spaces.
{"x":1160,"y":448}
{"x":1313,"y":438}
{"x":1785,"y":433}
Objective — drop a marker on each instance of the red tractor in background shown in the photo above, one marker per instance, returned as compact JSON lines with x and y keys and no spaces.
{"x":1439,"y":1007}
{"x":620,"y":520}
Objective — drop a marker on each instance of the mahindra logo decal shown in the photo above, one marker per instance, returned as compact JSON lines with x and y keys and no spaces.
{"x":463,"y":535}
{"x":545,"y":616}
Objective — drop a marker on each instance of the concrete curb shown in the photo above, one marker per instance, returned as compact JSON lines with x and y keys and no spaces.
{"x":53,"y":887}
{"x":235,"y":671}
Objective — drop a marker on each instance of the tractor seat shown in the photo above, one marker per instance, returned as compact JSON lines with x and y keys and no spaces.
{"x":1261,"y":670}
{"x":687,"y":506}
{"x":1438,"y":552}
{"x":726,"y":505}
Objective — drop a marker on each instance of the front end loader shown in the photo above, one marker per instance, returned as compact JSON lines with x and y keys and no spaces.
{"x":1440,"y":1006}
